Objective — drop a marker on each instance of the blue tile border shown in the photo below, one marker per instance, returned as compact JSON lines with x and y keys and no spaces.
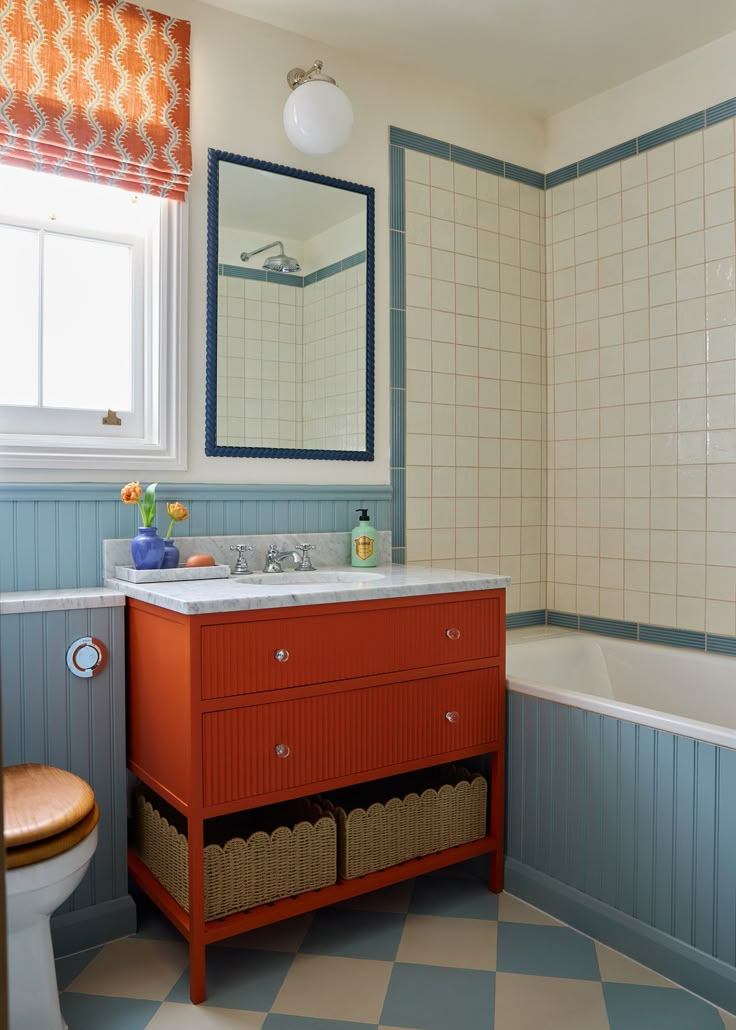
{"x":608,"y":627}
{"x":720,"y":112}
{"x":670,"y":636}
{"x":287,"y":278}
{"x":607,"y":157}
{"x":481,"y":162}
{"x":398,"y":348}
{"x":415,"y":141}
{"x":519,"y":620}
{"x":521,"y":174}
{"x":674,"y":130}
{"x":396,"y":188}
{"x":561,"y":175}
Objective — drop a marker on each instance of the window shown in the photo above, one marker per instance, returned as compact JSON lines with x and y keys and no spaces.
{"x":92,"y":343}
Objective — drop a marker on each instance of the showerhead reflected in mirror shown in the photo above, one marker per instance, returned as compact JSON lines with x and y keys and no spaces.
{"x":290,"y":313}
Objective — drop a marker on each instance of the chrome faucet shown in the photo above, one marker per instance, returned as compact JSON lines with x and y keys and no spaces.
{"x":302,"y":561}
{"x":241,"y":564}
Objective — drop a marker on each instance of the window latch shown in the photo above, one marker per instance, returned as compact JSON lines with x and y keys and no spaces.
{"x":111,"y":418}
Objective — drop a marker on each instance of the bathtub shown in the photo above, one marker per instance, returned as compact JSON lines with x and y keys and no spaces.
{"x":685,"y":692}
{"x":621,"y":799}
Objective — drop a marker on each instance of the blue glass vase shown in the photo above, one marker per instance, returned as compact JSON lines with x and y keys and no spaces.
{"x":171,"y":555}
{"x":147,"y":548}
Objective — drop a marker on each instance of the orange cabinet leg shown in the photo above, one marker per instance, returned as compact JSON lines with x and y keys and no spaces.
{"x":197,"y":967}
{"x":197,"y":972}
{"x":497,"y":821}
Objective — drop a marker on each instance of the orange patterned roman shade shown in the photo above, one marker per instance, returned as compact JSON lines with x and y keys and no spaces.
{"x":96,"y":89}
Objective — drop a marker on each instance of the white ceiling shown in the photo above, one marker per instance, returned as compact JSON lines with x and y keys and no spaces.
{"x":543,"y":55}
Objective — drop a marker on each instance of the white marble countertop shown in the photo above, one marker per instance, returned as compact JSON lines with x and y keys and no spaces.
{"x":249,"y":592}
{"x":65,"y":599}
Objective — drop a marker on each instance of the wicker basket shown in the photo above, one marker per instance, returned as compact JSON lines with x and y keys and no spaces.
{"x":241,"y":873}
{"x":411,"y":826}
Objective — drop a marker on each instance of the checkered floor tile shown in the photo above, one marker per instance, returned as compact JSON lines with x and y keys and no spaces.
{"x":439,"y":954}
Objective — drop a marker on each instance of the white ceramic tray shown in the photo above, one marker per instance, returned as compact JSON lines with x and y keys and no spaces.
{"x":131,"y":575}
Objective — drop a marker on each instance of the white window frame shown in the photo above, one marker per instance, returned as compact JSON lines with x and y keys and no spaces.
{"x":161,"y":441}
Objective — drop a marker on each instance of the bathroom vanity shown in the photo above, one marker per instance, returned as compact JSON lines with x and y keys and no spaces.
{"x":245,"y":694}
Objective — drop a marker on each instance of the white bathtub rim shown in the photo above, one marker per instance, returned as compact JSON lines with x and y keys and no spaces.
{"x":706,"y":732}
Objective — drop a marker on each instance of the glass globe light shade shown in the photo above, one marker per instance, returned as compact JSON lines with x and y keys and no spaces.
{"x":318,"y":117}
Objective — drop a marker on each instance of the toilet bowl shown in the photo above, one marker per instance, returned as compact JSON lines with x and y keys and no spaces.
{"x":50,"y":830}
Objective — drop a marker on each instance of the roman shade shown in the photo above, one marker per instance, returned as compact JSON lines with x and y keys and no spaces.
{"x":96,"y":89}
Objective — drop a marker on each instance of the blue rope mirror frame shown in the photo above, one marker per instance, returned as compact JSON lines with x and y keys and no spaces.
{"x":212,"y":448}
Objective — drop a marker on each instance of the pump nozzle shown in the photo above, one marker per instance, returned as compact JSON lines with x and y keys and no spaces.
{"x":364,"y":516}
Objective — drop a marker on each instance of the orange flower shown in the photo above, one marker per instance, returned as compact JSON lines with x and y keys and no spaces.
{"x":177,"y":513}
{"x":132,"y":493}
{"x":146,"y":501}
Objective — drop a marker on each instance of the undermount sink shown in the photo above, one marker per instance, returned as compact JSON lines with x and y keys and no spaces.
{"x":318,"y":576}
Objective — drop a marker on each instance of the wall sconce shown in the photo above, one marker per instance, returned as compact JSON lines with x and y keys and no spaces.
{"x":318,"y":117}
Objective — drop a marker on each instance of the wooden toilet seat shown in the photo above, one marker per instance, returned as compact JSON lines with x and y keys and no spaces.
{"x":46,"y":812}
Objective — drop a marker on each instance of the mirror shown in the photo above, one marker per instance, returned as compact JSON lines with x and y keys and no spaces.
{"x":289,"y":313}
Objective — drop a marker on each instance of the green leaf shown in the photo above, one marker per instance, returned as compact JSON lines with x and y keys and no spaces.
{"x":148,"y":505}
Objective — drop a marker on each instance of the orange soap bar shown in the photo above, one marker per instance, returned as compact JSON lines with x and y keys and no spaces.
{"x":199,"y":560}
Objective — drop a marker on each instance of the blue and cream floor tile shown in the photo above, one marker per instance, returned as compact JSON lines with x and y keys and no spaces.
{"x":395,"y":898}
{"x":512,"y":910}
{"x":729,"y":1019}
{"x":548,"y":1003}
{"x":354,"y":934}
{"x":93,"y":1012}
{"x":175,"y":1016}
{"x":445,"y":941}
{"x":618,"y":968}
{"x":69,"y":967}
{"x":328,"y":987}
{"x":439,"y":999}
{"x":276,"y":1022}
{"x":152,"y":922}
{"x":239,"y":978}
{"x":554,"y":951}
{"x":634,"y":1007}
{"x":133,"y":968}
{"x":284,"y":936}
{"x":453,"y":896}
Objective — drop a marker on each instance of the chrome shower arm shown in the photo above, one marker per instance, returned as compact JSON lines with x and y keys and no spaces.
{"x":246,"y":255}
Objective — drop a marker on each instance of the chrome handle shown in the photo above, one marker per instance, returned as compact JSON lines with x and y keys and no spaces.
{"x":452,"y":716}
{"x":282,"y":750}
{"x":282,"y":655}
{"x":452,"y":633}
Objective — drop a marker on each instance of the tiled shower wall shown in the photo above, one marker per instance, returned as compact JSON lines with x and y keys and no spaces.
{"x":475,"y":373}
{"x":333,"y":369}
{"x":641,"y":345}
{"x":259,"y":389}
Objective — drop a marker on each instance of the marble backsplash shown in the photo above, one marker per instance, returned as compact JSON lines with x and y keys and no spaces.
{"x":331,"y":550}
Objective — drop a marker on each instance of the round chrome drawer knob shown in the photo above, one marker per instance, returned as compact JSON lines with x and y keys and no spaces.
{"x":452,"y":716}
{"x":452,"y":633}
{"x":282,"y":750}
{"x":282,"y":655}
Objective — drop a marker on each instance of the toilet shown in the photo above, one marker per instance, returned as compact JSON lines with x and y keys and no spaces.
{"x":50,"y":829}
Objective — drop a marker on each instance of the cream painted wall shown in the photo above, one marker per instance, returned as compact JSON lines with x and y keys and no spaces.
{"x":239,"y":87}
{"x":691,"y":83}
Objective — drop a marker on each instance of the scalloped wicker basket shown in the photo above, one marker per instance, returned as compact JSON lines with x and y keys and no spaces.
{"x":411,"y":826}
{"x":242,"y":873}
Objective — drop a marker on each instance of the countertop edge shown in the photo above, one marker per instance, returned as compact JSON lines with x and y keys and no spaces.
{"x":23,"y":602}
{"x":340,"y":594}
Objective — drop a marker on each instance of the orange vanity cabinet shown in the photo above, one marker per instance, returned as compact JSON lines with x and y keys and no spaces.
{"x":231,"y":711}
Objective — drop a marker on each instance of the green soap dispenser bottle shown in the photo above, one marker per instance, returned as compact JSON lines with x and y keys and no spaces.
{"x":363,"y":550}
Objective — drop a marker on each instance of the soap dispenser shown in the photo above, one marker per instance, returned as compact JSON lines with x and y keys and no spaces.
{"x":363,"y":551}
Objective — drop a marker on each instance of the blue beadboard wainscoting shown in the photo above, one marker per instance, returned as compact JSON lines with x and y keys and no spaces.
{"x":53,"y":717}
{"x":51,"y":534}
{"x":628,"y":834}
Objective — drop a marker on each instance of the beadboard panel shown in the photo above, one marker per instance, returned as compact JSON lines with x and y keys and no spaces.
{"x":51,"y":534}
{"x":53,"y":717}
{"x":636,"y":818}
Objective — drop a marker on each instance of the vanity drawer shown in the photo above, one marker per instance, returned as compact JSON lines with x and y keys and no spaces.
{"x":273,"y":747}
{"x":249,"y":657}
